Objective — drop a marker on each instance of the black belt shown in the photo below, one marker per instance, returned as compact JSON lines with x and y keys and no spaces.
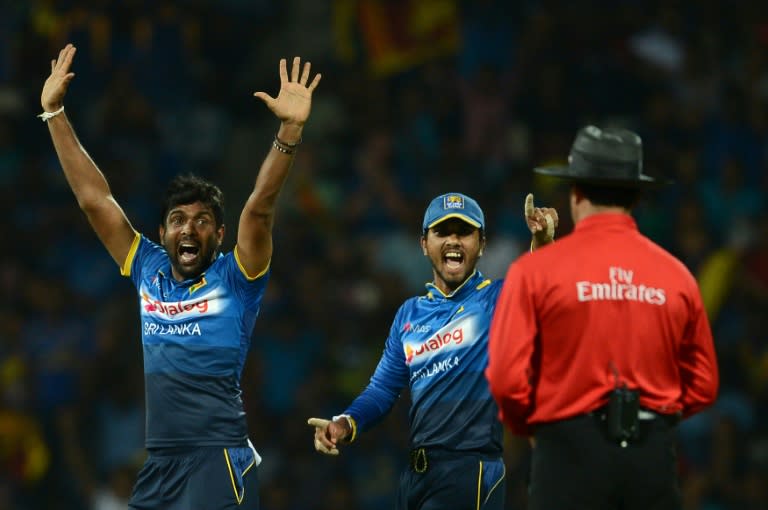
{"x":420,"y":458}
{"x":644,"y":415}
{"x":627,"y":434}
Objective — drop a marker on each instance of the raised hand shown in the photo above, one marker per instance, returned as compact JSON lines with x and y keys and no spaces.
{"x":294,"y":100}
{"x":55,"y":87}
{"x":542,"y":221}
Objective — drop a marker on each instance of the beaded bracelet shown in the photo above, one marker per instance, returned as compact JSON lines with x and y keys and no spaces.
{"x":286,"y":144}
{"x":284,"y":150}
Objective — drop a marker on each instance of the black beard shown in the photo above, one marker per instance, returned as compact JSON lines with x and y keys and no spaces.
{"x":188,"y":272}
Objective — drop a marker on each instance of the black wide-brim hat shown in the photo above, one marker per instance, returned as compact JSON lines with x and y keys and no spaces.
{"x":608,"y":157}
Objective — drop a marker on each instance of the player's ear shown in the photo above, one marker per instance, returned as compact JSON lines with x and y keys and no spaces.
{"x":220,"y":234}
{"x":424,"y":244}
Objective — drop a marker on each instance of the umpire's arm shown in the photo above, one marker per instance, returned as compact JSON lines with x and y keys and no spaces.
{"x":699,"y":373}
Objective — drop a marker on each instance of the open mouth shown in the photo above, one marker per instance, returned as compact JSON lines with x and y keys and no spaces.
{"x":188,"y":252}
{"x":453,"y":259}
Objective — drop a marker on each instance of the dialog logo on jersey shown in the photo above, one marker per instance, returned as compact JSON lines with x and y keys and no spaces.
{"x":449,"y":337}
{"x":177,"y":310}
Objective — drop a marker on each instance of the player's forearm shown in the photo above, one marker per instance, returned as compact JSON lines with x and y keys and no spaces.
{"x":84,"y":178}
{"x":370,"y":407}
{"x":273,"y":174}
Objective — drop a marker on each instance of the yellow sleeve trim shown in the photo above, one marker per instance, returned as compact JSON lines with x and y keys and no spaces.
{"x":484,"y":283}
{"x":245,"y":273}
{"x":126,"y":269}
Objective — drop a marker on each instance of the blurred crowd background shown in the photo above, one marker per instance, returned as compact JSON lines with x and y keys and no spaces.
{"x":418,"y":97}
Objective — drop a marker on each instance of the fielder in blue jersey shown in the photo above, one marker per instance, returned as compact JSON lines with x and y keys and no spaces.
{"x":437,"y":346}
{"x":197,"y":305}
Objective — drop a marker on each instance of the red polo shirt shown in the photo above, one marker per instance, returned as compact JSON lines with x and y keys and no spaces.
{"x":600,"y":306}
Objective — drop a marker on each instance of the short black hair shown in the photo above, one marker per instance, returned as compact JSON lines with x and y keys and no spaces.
{"x":609,"y":195}
{"x":188,"y":189}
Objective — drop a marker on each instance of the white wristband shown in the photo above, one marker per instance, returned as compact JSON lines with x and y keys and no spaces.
{"x":48,"y":115}
{"x":352,"y":426}
{"x":345,"y":416}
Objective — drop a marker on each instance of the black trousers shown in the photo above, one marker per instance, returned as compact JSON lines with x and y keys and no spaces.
{"x":575,"y":466}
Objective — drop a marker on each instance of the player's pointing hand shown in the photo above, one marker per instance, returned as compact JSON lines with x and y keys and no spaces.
{"x":328,"y":434}
{"x":541,"y":221}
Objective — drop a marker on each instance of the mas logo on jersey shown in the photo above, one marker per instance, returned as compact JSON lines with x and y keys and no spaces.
{"x":416,"y":328}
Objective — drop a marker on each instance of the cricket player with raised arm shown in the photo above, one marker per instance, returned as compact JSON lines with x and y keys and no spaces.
{"x":197,"y":306}
{"x":437,"y":346}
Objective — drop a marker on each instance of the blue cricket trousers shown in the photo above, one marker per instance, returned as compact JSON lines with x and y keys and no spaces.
{"x":199,"y":478}
{"x":447,"y":480}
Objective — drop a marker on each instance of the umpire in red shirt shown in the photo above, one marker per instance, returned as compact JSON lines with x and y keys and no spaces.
{"x":600,"y":343}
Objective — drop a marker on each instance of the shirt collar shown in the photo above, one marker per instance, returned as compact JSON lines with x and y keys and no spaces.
{"x":470,"y":283}
{"x":601,"y":221}
{"x":186,"y":283}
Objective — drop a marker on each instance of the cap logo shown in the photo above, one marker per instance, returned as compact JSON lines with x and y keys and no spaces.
{"x":453,"y":202}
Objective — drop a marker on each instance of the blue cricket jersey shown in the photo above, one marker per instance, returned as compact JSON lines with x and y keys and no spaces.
{"x":438,"y":345}
{"x":195,"y":335}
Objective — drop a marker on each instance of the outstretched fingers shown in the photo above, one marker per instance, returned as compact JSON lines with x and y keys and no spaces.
{"x":295,"y":69}
{"x":305,"y":73}
{"x":64,"y":61}
{"x":303,"y":77}
{"x":315,"y":82}
{"x":60,"y":58}
{"x":299,"y":74}
{"x":283,"y":71}
{"x":266,"y":98}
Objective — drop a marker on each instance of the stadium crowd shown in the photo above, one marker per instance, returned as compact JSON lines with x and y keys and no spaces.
{"x":418,"y":98}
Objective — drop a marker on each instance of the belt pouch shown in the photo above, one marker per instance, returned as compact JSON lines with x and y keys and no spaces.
{"x":622,"y":414}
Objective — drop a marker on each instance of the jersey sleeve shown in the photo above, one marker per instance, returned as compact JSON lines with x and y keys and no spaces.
{"x":510,"y":349}
{"x":144,"y":257}
{"x":248,"y":289}
{"x":386,"y":384}
{"x":698,"y":364}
